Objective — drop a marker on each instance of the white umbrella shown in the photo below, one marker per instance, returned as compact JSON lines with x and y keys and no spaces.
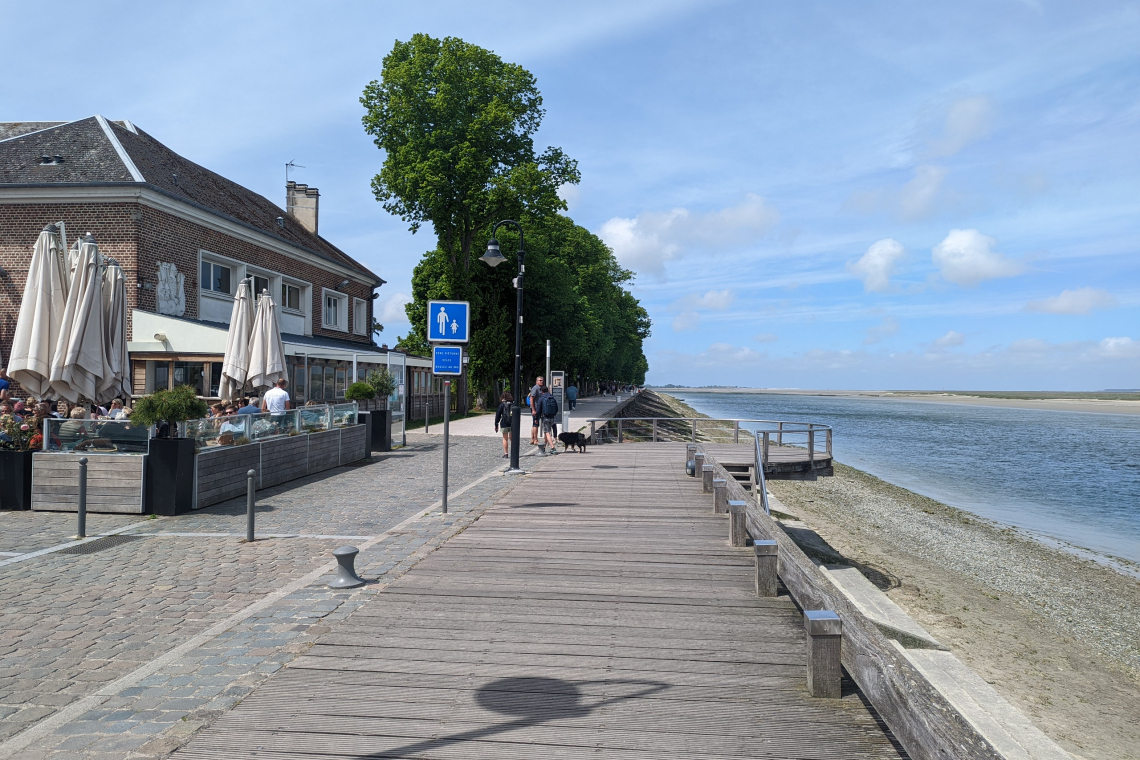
{"x":78,"y":366}
{"x":41,"y":316}
{"x":235,"y":364}
{"x":117,"y":382}
{"x":266,"y":351}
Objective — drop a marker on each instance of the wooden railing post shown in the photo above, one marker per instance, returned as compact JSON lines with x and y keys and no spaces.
{"x":694,"y":424}
{"x":593,"y":432}
{"x":736,"y":431}
{"x":829,"y":442}
{"x":699,"y":465}
{"x":811,"y":447}
{"x":737,"y":532}
{"x":779,"y":434}
{"x":824,"y":647}
{"x":619,"y":429}
{"x":720,"y":496}
{"x":767,"y":567}
{"x":764,"y":450}
{"x":655,"y":430}
{"x":706,"y":478}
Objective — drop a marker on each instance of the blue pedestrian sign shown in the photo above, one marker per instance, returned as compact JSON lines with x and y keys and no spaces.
{"x":447,"y":360}
{"x":448,"y":321}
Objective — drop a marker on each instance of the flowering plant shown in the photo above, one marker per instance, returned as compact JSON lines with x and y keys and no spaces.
{"x":17,"y":432}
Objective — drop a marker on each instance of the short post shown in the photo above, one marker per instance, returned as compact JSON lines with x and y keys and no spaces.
{"x":829,"y":442}
{"x":811,"y":447}
{"x":82,"y":498}
{"x":824,"y":648}
{"x":779,"y":434}
{"x":737,"y":532}
{"x":619,"y":429}
{"x":764,"y":450}
{"x":767,"y":567}
{"x":446,"y":431}
{"x":720,"y":496}
{"x":690,"y":450}
{"x":706,"y":478}
{"x":699,"y":463}
{"x":736,"y":431}
{"x":593,"y":432}
{"x":655,"y":430}
{"x":249,"y":514}
{"x":346,"y":576}
{"x":427,"y":415}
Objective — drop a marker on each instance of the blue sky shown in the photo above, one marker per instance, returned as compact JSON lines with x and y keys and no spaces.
{"x":814,"y":195}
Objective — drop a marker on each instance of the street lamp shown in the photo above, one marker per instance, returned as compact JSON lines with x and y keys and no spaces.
{"x":494,"y":257}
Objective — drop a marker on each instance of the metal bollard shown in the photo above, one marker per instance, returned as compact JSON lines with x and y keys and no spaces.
{"x":767,"y":567}
{"x":824,"y":648}
{"x":698,"y":463}
{"x":249,"y":476}
{"x":720,"y":496}
{"x":346,"y":576}
{"x":82,"y":498}
{"x":706,"y":478}
{"x":737,"y":532}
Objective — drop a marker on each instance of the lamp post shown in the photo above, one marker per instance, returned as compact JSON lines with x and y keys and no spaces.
{"x":493,"y":257}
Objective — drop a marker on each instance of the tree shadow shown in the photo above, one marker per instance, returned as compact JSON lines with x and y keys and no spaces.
{"x":531,"y":701}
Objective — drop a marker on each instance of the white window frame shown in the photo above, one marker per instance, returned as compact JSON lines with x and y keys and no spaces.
{"x":239,"y":270}
{"x":341,"y":311}
{"x":208,"y":258}
{"x":360,"y":326}
{"x":301,"y":302}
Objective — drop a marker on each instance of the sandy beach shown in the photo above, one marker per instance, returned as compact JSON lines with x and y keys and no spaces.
{"x":1074,"y":404}
{"x":1056,"y":634}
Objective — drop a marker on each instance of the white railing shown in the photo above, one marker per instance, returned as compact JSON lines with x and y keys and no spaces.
{"x":812,"y":436}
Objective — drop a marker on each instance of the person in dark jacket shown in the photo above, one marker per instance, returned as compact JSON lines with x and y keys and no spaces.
{"x":503,"y":420}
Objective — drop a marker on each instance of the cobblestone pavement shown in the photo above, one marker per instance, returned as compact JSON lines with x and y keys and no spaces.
{"x":126,"y":651}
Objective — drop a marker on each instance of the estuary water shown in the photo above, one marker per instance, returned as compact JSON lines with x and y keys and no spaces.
{"x":1069,"y":476}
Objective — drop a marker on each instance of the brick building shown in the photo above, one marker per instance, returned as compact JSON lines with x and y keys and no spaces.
{"x":184,"y":237}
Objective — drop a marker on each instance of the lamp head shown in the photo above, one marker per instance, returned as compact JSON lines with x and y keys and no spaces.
{"x":493,"y":257}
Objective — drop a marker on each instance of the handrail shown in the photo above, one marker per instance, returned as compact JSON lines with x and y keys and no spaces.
{"x":780,"y":424}
{"x":759,"y":483}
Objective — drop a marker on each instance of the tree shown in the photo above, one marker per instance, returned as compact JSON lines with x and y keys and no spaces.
{"x":455,"y":123}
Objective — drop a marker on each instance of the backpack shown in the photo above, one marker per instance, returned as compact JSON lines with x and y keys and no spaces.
{"x":549,"y":405}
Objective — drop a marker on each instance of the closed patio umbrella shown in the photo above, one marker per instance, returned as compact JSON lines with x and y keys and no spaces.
{"x":117,"y":383}
{"x":78,"y":366}
{"x":41,"y":315}
{"x":235,"y":363}
{"x":266,"y":351}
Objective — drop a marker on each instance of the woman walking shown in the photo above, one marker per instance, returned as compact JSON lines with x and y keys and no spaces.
{"x":503,"y":419}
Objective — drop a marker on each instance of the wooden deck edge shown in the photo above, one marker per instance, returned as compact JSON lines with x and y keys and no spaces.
{"x":927,"y":724}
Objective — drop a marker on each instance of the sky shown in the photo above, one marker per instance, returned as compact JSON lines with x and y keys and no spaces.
{"x":811,"y":195}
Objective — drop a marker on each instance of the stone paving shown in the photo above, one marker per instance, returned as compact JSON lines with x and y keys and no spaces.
{"x":127,"y":651}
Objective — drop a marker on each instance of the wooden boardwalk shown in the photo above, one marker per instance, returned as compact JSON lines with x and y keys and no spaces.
{"x":783,"y":461}
{"x":597,"y":612}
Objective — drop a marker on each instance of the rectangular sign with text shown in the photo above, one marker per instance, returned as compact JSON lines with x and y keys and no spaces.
{"x":447,"y":360}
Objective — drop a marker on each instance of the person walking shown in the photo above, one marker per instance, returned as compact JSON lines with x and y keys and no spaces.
{"x":548,"y":413}
{"x":572,"y":397}
{"x":503,"y":420}
{"x":532,"y":402}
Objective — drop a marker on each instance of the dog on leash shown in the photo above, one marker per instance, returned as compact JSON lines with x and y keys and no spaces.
{"x":571,"y":440}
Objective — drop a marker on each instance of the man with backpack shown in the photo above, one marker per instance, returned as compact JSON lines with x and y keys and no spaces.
{"x":547,"y":407}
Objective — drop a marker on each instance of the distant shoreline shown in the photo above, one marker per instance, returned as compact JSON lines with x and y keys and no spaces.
{"x":1077,"y":403}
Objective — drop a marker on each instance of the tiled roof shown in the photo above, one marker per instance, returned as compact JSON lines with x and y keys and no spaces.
{"x":90,"y":157}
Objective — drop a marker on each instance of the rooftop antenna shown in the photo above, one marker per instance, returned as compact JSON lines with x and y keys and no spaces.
{"x":291,"y":165}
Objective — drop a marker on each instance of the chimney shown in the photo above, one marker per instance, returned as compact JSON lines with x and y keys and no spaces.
{"x":301,"y":202}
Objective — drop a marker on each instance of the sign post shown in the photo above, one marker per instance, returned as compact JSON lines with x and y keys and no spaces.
{"x":558,"y":388}
{"x":446,"y":360}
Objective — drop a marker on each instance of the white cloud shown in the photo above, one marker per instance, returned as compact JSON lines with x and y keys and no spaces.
{"x":877,"y":264}
{"x":885,"y":329}
{"x":391,"y":311}
{"x":686,"y":320}
{"x":646,"y":242}
{"x":967,"y":121}
{"x":951,"y":338}
{"x":713,"y":300}
{"x":1078,"y":301}
{"x":917,"y":197}
{"x":1118,"y":348}
{"x":766,"y":338}
{"x":965,"y":258}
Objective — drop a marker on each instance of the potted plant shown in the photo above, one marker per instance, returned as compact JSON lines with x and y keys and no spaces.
{"x":383,"y":386}
{"x":16,"y":462}
{"x":170,"y":463}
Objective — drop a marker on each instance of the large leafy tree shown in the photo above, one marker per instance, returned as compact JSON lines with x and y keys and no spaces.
{"x":456,"y":123}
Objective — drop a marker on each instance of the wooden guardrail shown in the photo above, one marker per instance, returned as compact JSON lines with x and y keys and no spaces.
{"x":924,"y":721}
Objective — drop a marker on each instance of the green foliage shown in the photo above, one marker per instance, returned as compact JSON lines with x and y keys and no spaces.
{"x":381,"y":381}
{"x":455,"y":123}
{"x":172,"y":405}
{"x":360,"y":392}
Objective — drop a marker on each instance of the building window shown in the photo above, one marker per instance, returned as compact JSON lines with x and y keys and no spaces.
{"x":340,"y":377}
{"x":359,"y":316}
{"x":290,"y":297}
{"x":335,"y":312}
{"x":216,"y":277}
{"x":330,"y":382}
{"x":316,"y":382}
{"x":260,"y":285}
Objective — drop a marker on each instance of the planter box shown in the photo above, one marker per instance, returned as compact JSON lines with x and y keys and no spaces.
{"x":222,"y":472}
{"x":170,"y":476}
{"x":115,"y":482}
{"x":16,"y":479}
{"x":283,"y":459}
{"x":381,"y":430}
{"x":353,"y":444}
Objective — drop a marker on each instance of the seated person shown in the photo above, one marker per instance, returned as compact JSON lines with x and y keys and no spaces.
{"x":74,"y":429}
{"x":116,"y":410}
{"x":250,"y":406}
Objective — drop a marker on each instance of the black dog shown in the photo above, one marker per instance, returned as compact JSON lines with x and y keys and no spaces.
{"x":573,"y":439}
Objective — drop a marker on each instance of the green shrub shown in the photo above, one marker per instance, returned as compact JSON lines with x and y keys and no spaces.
{"x":172,"y":405}
{"x":360,"y":392}
{"x":382,"y":382}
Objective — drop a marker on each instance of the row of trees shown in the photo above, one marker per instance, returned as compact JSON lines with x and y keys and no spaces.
{"x":456,"y":123}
